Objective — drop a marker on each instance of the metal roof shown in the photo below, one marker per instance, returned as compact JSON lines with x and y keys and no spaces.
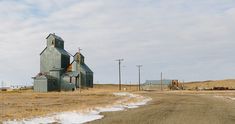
{"x":85,"y":67}
{"x":165,"y":81}
{"x":44,"y":77}
{"x":78,"y":53}
{"x":62,"y":51}
{"x":43,"y":50}
{"x":72,"y":74}
{"x":55,"y":36}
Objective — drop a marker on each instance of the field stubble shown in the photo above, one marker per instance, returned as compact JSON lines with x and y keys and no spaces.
{"x":28,"y":104}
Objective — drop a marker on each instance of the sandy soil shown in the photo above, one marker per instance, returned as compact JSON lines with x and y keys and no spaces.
{"x":28,"y":104}
{"x":178,"y":107}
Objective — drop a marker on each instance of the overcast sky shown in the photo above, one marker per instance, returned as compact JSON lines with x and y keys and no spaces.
{"x":185,"y":39}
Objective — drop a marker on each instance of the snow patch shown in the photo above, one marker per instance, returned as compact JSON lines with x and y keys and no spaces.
{"x":90,"y":115}
{"x":64,"y":118}
{"x":232,"y":98}
{"x":219,"y":96}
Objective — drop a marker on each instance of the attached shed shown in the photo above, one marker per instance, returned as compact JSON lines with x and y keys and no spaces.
{"x":45,"y":83}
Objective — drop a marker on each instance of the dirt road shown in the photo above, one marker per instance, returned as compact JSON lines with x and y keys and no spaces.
{"x":176,"y":108}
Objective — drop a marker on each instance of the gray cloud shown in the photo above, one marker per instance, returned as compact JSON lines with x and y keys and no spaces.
{"x":185,"y":39}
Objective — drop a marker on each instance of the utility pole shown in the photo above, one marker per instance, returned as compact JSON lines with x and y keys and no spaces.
{"x":161,"y":81}
{"x":139,"y":66}
{"x":183,"y":85}
{"x":79,"y":66}
{"x":119,"y":64}
{"x":130,"y":85}
{"x":2,"y":100}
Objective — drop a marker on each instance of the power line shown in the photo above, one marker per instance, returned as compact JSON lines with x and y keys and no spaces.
{"x":139,"y":66}
{"x":120,"y":80}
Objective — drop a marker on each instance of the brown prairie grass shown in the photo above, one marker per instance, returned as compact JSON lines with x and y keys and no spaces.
{"x":230,"y":83}
{"x":29,"y":104}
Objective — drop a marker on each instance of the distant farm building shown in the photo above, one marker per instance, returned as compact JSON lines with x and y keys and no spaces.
{"x":6,"y":89}
{"x":164,"y":84}
{"x":56,"y":71}
{"x":156,"y":84}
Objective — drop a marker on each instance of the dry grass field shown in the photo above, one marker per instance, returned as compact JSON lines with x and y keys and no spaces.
{"x":27,"y":104}
{"x":230,"y":83}
{"x":166,"y":107}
